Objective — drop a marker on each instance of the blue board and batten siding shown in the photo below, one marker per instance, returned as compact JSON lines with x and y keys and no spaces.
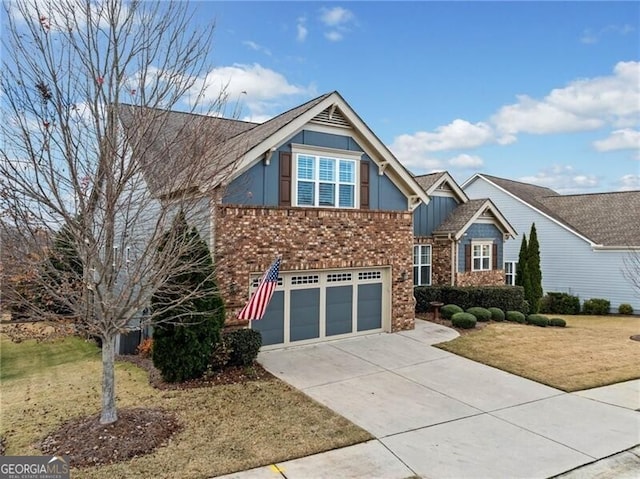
{"x":426,"y":218}
{"x":479,"y":232}
{"x":568,"y":262}
{"x":258,"y":186}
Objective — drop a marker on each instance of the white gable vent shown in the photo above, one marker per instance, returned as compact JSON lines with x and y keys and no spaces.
{"x":333,"y":117}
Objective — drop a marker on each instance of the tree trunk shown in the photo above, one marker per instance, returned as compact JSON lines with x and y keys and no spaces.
{"x":109,"y":413}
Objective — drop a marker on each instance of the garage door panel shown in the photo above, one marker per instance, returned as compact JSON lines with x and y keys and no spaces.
{"x":339,"y":310}
{"x":304,"y":314}
{"x":369,"y":306}
{"x":271,"y":326}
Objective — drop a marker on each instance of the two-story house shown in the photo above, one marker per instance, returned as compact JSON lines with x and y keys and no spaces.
{"x":355,"y":230}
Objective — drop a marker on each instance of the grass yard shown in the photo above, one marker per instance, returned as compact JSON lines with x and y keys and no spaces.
{"x":226,"y":428}
{"x":591,"y":351}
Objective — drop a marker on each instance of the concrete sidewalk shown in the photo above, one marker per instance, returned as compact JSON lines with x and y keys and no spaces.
{"x":437,"y":415}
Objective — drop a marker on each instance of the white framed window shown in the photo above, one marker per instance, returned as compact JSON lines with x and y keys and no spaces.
{"x":510,"y":272}
{"x":422,"y":265}
{"x":324,"y":181}
{"x":481,"y":255}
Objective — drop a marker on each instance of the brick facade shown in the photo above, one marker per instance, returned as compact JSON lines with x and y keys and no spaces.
{"x":440,"y":260}
{"x":247,"y":239}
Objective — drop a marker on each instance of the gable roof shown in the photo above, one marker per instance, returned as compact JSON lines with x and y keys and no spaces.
{"x":467,"y":213}
{"x":607,"y":220}
{"x":441,"y":181}
{"x":237,"y":146}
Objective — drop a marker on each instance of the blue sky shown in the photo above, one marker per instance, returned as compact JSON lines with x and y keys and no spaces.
{"x":544,"y":92}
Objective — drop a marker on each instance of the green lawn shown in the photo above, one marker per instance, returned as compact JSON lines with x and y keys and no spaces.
{"x":591,"y":351}
{"x":226,"y":428}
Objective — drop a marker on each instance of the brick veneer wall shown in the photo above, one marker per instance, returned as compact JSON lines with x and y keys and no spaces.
{"x":247,"y":239}
{"x":440,"y":259}
{"x":481,"y":278}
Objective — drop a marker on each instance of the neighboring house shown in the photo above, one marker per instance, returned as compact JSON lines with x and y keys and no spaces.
{"x":315,"y":186}
{"x":584,"y":239}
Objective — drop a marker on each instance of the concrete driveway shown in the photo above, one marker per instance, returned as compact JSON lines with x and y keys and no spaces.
{"x":437,"y":415}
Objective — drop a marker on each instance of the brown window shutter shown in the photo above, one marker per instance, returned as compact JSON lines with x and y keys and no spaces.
{"x":364,"y":185}
{"x":284,"y":194}
{"x":467,"y":257}
{"x":494,"y":256}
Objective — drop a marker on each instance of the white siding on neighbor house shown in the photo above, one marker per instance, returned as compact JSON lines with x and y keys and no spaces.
{"x":569,"y":263}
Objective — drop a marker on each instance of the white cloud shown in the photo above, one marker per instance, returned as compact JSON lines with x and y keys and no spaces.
{"x":259,"y":89}
{"x":414,"y":158}
{"x":564,"y":179}
{"x":301,"y":29}
{"x":338,"y":20}
{"x":590,"y":37}
{"x":626,"y":139}
{"x":455,"y":135}
{"x":333,"y":36}
{"x":539,"y":117}
{"x":466,"y":162}
{"x":629,"y":183}
{"x":335,"y":16}
{"x":257,"y":47}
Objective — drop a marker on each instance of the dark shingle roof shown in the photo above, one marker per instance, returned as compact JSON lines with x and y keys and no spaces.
{"x":607,"y":219}
{"x":460,"y":217}
{"x":427,"y":181}
{"x":176,"y":144}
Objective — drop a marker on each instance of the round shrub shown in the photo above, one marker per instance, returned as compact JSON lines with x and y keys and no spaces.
{"x":463,"y":320}
{"x":496,"y":314}
{"x":538,"y":320}
{"x":625,"y":308}
{"x":449,"y":310}
{"x":481,"y":314}
{"x":557,"y":322}
{"x":243,"y":346}
{"x":515,"y":317}
{"x":597,"y":306}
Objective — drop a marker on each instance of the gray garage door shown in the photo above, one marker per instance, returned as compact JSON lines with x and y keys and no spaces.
{"x":314,"y":306}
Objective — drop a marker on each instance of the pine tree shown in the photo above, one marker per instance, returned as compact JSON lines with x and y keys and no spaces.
{"x":535,"y":274}
{"x":185,"y":335}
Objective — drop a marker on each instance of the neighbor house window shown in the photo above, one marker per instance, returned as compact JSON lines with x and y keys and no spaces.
{"x":325,"y":181}
{"x":510,"y":272}
{"x":422,"y":265}
{"x":481,"y":256}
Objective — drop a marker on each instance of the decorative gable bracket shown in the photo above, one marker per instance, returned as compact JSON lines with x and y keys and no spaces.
{"x":414,"y":202}
{"x":267,"y":156}
{"x":381,"y":167}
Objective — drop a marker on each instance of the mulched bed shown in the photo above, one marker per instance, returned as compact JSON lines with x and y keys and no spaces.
{"x":228,"y":375}
{"x":137,"y":431}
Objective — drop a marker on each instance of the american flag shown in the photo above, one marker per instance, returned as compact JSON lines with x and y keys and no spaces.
{"x":258,"y":302}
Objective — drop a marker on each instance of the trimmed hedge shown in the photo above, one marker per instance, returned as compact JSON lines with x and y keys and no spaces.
{"x":625,"y":308}
{"x":557,"y":322}
{"x":496,"y":314}
{"x":560,"y":303}
{"x":507,"y":298}
{"x":449,"y":310}
{"x":515,"y":317}
{"x":597,"y":306}
{"x":538,"y":320}
{"x":463,"y":321}
{"x":243,"y":345}
{"x":481,"y":314}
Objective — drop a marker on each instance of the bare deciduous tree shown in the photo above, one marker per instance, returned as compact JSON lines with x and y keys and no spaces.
{"x":88,"y":144}
{"x":631,"y":270}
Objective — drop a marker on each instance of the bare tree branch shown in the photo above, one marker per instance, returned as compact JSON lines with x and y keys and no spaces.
{"x":88,"y":145}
